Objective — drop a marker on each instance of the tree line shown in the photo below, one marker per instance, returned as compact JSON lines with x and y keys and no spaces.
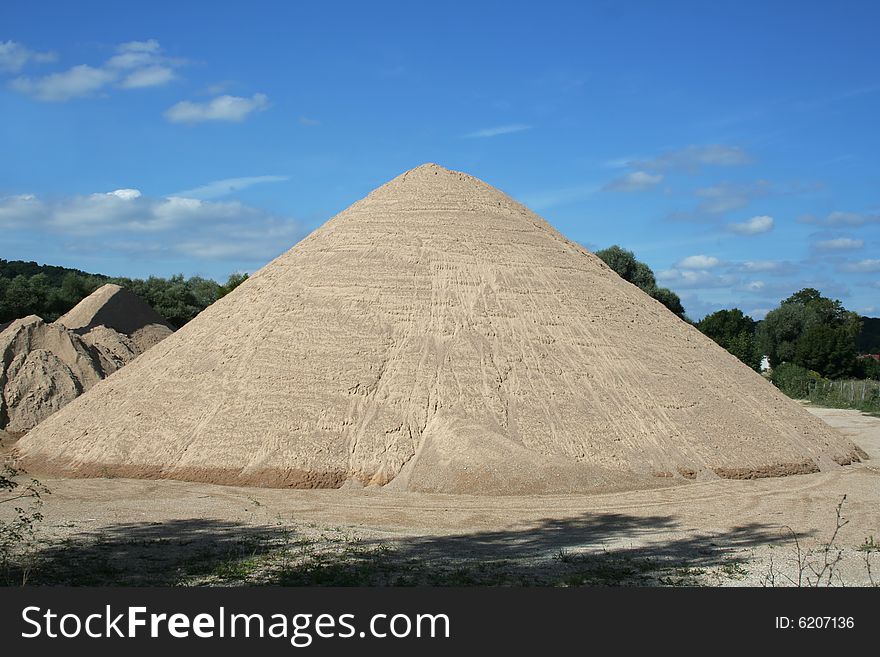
{"x":27,"y":288}
{"x":806,"y":331}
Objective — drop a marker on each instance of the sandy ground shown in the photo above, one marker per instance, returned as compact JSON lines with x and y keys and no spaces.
{"x":726,"y":532}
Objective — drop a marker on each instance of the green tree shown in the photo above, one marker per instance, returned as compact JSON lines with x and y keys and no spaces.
{"x":868,"y":341}
{"x":669,"y":299}
{"x":177,"y":299}
{"x":17,"y":301}
{"x":869,"y":368}
{"x":627,"y":267}
{"x":27,"y":288}
{"x":639,"y":274}
{"x":734,"y":331}
{"x":4,"y":313}
{"x":235,"y":279}
{"x":40,"y":292}
{"x":826,"y":349}
{"x":779,"y":332}
{"x":812,"y":331}
{"x":74,"y":288}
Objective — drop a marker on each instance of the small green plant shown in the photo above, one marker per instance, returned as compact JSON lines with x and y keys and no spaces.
{"x":820,"y":566}
{"x":18,"y":535}
{"x":733,"y":569}
{"x":870,"y":545}
{"x":863,"y":395}
{"x":562,"y":556}
{"x":683,"y":576}
{"x":794,"y":380}
{"x":800,"y":383}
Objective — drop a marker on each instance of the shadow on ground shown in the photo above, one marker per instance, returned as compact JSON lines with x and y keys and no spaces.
{"x":598,"y":549}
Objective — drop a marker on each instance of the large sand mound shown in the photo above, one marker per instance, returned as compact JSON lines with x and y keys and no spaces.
{"x":437,"y":335}
{"x":45,"y":366}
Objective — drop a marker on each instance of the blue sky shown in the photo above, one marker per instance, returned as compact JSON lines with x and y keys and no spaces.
{"x":732,"y":145}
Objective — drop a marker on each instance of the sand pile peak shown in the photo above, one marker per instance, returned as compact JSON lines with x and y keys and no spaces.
{"x":436,"y":336}
{"x":44,"y":366}
{"x":118,"y":309}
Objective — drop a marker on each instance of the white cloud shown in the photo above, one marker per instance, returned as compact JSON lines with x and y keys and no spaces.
{"x":863,"y":266}
{"x":126,"y":220}
{"x":759,"y":313}
{"x":498,"y":130}
{"x":126,"y":194}
{"x":694,"y":278}
{"x":755,"y":286}
{"x":637,"y":181}
{"x":725,"y":197}
{"x":839,"y":218}
{"x":698,"y":262}
{"x":840,"y":244}
{"x":852,"y":218}
{"x":258,"y":242}
{"x":82,"y":80}
{"x":209,"y":248}
{"x":772,"y":267}
{"x":17,"y":211}
{"x":136,"y":65}
{"x":761,"y":265}
{"x":130,"y":60}
{"x":150,"y":45}
{"x":222,"y":108}
{"x":228,"y":186}
{"x":152,"y":76}
{"x":754,"y":226}
{"x":14,"y":57}
{"x":694,"y":158}
{"x":119,"y":210}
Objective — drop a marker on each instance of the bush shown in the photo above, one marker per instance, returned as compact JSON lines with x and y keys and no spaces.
{"x":794,"y":380}
{"x":861,"y":394}
{"x":800,"y":383}
{"x":869,"y":368}
{"x":18,"y":536}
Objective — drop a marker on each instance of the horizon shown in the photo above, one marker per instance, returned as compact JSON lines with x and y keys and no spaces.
{"x":739,"y":174}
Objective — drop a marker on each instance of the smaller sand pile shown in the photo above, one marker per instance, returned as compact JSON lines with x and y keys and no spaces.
{"x":118,"y":309}
{"x":44,"y":366}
